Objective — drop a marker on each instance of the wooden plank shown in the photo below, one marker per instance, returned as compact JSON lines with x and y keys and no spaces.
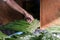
{"x":49,"y":11}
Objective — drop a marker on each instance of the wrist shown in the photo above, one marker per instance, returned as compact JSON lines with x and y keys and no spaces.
{"x":25,"y":13}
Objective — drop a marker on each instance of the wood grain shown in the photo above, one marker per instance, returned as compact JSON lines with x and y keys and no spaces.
{"x":49,"y":11}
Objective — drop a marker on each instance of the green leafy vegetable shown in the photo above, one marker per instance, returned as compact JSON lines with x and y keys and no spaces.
{"x":54,"y":28}
{"x":22,"y":25}
{"x":28,"y":29}
{"x":2,"y":35}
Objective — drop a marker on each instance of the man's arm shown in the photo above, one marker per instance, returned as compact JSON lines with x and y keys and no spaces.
{"x":15,"y":6}
{"x":18,"y":8}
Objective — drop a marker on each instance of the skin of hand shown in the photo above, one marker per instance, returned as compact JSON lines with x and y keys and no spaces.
{"x":28,"y":17}
{"x":18,"y":8}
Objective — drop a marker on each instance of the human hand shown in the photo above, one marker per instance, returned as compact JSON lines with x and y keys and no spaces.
{"x":29,"y":17}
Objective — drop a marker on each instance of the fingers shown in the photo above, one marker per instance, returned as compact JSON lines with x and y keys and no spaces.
{"x":30,"y":19}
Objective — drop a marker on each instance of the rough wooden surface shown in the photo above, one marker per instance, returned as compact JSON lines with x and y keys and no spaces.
{"x":49,"y":11}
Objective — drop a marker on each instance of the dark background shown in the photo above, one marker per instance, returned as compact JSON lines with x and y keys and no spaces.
{"x":32,"y":6}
